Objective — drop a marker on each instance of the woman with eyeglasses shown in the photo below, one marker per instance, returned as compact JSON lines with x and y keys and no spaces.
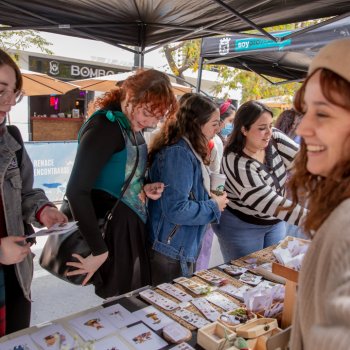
{"x":111,"y":143}
{"x":19,"y":203}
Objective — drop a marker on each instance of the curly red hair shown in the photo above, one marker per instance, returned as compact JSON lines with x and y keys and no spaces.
{"x":149,"y":87}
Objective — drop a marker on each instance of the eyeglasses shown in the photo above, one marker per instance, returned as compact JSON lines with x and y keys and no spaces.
{"x":6,"y":96}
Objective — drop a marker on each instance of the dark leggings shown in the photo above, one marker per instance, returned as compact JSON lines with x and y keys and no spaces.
{"x":18,"y":307}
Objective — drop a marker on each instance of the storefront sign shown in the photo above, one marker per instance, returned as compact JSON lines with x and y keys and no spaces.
{"x":53,"y":162}
{"x":69,"y":70}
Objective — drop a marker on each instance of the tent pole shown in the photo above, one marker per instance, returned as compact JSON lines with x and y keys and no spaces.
{"x":199,"y":78}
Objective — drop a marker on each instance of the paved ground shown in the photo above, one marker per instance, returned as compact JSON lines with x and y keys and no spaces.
{"x":53,"y":298}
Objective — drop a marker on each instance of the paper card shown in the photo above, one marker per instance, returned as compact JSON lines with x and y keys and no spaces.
{"x":234,"y":291}
{"x":192,"y":318}
{"x":250,"y":278}
{"x":92,"y":326}
{"x":275,"y":310}
{"x":194,"y":286}
{"x":20,"y":343}
{"x":53,"y":337}
{"x":141,"y":337}
{"x":118,"y":315}
{"x":182,"y":346}
{"x":206,"y":309}
{"x":153,"y":318}
{"x":221,"y":301}
{"x":176,"y":333}
{"x":234,"y":270}
{"x":56,"y":229}
{"x":112,"y":343}
{"x":177,"y":293}
{"x":211,"y":278}
{"x":158,"y":299}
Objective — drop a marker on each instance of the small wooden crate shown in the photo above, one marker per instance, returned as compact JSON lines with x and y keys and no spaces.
{"x":215,"y":336}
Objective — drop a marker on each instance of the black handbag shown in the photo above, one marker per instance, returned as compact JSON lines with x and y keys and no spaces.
{"x":58,"y":249}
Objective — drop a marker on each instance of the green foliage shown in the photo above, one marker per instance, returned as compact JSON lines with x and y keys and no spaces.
{"x":23,"y":39}
{"x":253,"y":86}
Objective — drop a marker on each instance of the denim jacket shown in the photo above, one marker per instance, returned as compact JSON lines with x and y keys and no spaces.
{"x":177,"y":221}
{"x":20,"y":200}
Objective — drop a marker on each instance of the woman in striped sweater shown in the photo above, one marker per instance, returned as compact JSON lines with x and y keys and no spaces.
{"x":256,"y":159}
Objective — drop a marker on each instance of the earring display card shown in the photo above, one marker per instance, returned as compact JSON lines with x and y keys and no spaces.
{"x":153,"y":318}
{"x":233,"y":270}
{"x":191,"y":318}
{"x":211,"y":278}
{"x":175,"y":292}
{"x":158,"y":299}
{"x":92,"y":326}
{"x":221,"y":301}
{"x":140,"y":337}
{"x":24,"y":342}
{"x":206,"y":309}
{"x":118,"y":315}
{"x":250,"y":278}
{"x":182,"y":346}
{"x":112,"y":343}
{"x":53,"y":337}
{"x":193,"y":286}
{"x":236,"y":292}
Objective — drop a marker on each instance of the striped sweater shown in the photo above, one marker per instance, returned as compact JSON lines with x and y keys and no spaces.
{"x":255,"y":190}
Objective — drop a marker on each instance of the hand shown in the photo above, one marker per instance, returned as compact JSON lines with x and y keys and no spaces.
{"x":220,"y":200}
{"x":51,"y":215}
{"x":154,"y":190}
{"x":88,"y":265}
{"x":12,"y":251}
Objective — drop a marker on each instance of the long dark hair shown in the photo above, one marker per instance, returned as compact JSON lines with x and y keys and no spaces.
{"x":288,"y":121}
{"x":195,"y":111}
{"x":248,"y":113}
{"x":322,"y":194}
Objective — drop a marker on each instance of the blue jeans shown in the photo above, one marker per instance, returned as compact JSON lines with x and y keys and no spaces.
{"x":238,"y":238}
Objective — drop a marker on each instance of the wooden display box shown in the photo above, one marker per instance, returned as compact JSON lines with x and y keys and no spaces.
{"x":291,"y":277}
{"x":215,"y":336}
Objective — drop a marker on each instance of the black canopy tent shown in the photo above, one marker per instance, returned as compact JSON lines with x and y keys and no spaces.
{"x":145,"y":23}
{"x":288,"y":60}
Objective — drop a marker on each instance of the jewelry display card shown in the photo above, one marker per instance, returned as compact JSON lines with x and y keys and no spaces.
{"x":158,"y":299}
{"x":236,"y":292}
{"x":221,"y":301}
{"x":233,"y":270}
{"x":20,"y":343}
{"x":112,"y":343}
{"x":175,"y":292}
{"x":53,"y":337}
{"x":250,"y":278}
{"x":92,"y":326}
{"x":152,"y":317}
{"x":206,"y":309}
{"x":140,"y":337}
{"x":182,"y":346}
{"x":118,"y":315}
{"x":193,"y":286}
{"x":211,"y":278}
{"x":192,"y":318}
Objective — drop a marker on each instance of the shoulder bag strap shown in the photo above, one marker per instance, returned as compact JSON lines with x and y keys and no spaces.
{"x":110,"y":214}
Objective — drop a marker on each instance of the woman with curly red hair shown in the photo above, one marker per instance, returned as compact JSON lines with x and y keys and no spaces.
{"x":322,"y":180}
{"x":110,"y":144}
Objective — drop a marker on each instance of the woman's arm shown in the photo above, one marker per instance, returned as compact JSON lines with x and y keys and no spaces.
{"x":248,"y":184}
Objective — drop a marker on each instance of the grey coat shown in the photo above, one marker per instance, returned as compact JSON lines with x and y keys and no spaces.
{"x":20,"y":200}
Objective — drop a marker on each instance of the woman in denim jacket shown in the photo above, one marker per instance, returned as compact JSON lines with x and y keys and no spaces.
{"x":179,"y":158}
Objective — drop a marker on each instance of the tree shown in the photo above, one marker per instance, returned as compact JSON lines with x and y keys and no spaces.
{"x":23,"y":39}
{"x":185,"y":55}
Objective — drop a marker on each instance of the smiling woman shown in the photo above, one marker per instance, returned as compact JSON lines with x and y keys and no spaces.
{"x":322,"y":178}
{"x":255,"y":163}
